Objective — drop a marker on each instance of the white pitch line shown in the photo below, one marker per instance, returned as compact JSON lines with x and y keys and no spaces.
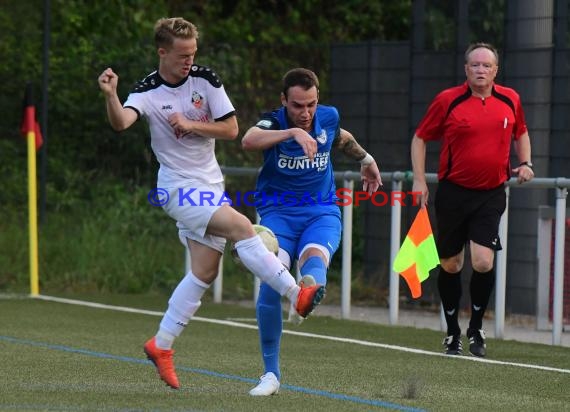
{"x":303,"y":334}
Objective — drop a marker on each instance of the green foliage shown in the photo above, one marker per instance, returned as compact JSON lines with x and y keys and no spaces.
{"x":110,"y":240}
{"x":440,"y":25}
{"x":106,"y":34}
{"x":249,"y":43}
{"x":20,"y":48}
{"x":486,"y":23}
{"x":96,"y":179}
{"x":486,"y":20}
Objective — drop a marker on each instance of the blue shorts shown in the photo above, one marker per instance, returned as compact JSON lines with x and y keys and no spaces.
{"x":296,"y":227}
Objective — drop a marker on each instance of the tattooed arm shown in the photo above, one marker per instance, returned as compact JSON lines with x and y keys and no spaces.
{"x":346,"y":142}
{"x":369,"y":172}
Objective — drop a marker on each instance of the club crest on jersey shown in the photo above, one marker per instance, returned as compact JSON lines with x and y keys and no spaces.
{"x":322,"y":138}
{"x":197,"y":99}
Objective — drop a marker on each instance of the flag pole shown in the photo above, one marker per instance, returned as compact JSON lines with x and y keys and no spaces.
{"x":29,"y":119}
{"x":33,"y":214}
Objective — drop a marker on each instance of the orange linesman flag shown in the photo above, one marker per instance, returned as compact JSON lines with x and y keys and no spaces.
{"x":418,"y":254}
{"x":29,"y":123}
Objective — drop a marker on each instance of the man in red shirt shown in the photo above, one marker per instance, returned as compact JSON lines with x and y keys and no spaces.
{"x":476,"y":123}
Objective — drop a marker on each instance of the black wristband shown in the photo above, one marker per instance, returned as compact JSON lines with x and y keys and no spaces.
{"x":527,"y":164}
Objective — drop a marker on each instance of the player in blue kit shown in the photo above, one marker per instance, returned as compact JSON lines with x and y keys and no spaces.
{"x":296,"y":197}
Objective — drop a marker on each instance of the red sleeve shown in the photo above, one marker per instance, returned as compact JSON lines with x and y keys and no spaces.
{"x":520,"y":122}
{"x":431,"y":126}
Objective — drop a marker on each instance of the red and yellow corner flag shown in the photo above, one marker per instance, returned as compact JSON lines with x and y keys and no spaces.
{"x":418,"y":254}
{"x":31,"y":130}
{"x":29,"y":123}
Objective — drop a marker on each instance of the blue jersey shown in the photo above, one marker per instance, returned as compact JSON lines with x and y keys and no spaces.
{"x":288,"y":177}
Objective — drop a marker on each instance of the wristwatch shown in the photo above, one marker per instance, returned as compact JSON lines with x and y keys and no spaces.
{"x":528,"y":164}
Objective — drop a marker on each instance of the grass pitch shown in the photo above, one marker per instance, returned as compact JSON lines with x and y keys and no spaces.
{"x":63,"y":357}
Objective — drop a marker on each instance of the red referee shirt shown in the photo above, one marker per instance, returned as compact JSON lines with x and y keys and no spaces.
{"x":476,"y":134}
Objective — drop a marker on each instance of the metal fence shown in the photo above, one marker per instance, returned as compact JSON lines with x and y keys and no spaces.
{"x":397,"y":179}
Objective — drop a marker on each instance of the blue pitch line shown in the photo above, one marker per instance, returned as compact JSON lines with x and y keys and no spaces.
{"x":326,"y":394}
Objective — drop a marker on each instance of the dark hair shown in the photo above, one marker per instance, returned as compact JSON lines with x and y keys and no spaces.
{"x":300,"y":77}
{"x":167,"y":29}
{"x":480,"y":45}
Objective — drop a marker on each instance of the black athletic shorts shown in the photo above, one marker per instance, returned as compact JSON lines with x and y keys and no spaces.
{"x":467,"y":214}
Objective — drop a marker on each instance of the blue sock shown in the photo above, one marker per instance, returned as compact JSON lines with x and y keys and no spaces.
{"x":270,"y":323}
{"x":316,"y":267}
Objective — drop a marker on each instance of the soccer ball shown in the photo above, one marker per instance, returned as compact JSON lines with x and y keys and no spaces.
{"x":267,"y":237}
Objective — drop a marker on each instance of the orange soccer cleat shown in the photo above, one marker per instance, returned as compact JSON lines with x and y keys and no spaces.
{"x":309,"y":297}
{"x":162,"y":359}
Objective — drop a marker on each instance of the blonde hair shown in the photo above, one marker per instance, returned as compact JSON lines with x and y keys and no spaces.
{"x":168,"y":29}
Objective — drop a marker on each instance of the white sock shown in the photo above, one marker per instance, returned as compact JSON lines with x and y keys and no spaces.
{"x":182,"y":305}
{"x":267,"y":267}
{"x":164,"y":340}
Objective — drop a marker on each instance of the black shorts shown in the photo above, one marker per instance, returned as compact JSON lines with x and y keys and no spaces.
{"x":467,"y":214}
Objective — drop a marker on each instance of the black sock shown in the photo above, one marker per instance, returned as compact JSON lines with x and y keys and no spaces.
{"x":480,"y":288}
{"x":449,"y":285}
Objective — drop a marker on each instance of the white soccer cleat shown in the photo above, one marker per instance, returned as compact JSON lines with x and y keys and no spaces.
{"x":267,"y":385}
{"x":294,"y":317}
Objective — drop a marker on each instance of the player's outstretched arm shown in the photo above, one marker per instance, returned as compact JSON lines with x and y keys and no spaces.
{"x":369,"y":171}
{"x":119,"y":117}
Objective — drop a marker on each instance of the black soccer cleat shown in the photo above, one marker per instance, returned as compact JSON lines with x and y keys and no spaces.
{"x":477,"y":346}
{"x":453,"y":345}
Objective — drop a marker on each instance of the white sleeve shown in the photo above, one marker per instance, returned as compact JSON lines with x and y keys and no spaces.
{"x":220,"y":104}
{"x":137,"y":102}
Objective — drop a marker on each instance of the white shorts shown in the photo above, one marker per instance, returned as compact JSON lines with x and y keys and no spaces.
{"x":192,"y":207}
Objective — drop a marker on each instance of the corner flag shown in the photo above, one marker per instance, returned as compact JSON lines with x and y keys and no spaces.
{"x":29,"y":122}
{"x":31,"y":130}
{"x":418,"y":254}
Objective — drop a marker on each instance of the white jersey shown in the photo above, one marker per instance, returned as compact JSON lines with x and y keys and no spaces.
{"x":200,"y":97}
